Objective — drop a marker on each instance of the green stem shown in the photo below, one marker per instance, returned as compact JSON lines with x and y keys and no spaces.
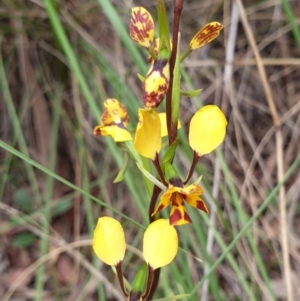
{"x":187,"y":52}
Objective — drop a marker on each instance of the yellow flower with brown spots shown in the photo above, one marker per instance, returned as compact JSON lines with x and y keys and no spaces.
{"x":114,"y":121}
{"x":177,"y":195}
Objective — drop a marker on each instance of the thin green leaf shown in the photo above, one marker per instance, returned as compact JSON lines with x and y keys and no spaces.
{"x":150,"y":177}
{"x":122,"y":171}
{"x":192,"y":93}
{"x":163,"y":28}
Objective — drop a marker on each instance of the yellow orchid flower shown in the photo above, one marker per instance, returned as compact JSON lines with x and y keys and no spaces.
{"x":207,"y":129}
{"x":207,"y":34}
{"x":141,"y":27}
{"x":109,"y":241}
{"x":114,"y":120}
{"x":160,"y":244}
{"x":177,"y":195}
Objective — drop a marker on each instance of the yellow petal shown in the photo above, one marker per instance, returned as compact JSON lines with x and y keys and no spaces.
{"x":160,"y":243}
{"x":196,"y":202}
{"x":141,"y":27}
{"x":192,"y":197}
{"x":163,"y":122}
{"x":207,"y":129}
{"x":164,"y":202}
{"x":115,"y":113}
{"x":109,"y":240}
{"x":156,"y":83}
{"x":117,"y":133}
{"x":147,"y":140}
{"x":204,"y":36}
{"x":178,"y":214}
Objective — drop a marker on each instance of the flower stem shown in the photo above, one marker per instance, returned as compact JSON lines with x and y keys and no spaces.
{"x":154,"y":197}
{"x":120,"y":278}
{"x":192,"y":168}
{"x":149,"y":282}
{"x":187,"y":52}
{"x":172,"y":128}
{"x":159,"y":170}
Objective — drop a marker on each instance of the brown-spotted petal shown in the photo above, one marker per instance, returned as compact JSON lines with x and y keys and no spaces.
{"x":115,"y":113}
{"x":156,"y":83}
{"x":141,"y":27}
{"x":196,"y":202}
{"x":164,"y":201}
{"x":178,"y":214}
{"x":207,"y":34}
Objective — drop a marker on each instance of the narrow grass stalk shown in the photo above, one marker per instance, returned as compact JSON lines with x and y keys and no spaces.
{"x":244,"y":218}
{"x":291,"y":19}
{"x":18,"y":130}
{"x":75,"y":67}
{"x":42,"y":168}
{"x":88,"y":207}
{"x":118,"y":24}
{"x":44,"y":243}
{"x":213,"y":281}
{"x":248,"y":224}
{"x":29,"y":169}
{"x":66,"y":46}
{"x":236,"y":268}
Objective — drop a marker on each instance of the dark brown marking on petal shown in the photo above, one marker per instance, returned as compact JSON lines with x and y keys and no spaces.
{"x":208,"y":33}
{"x":106,"y":118}
{"x":112,"y":118}
{"x":97,"y":132}
{"x":160,"y":207}
{"x":187,"y":218}
{"x":175,"y":217}
{"x":154,"y":98}
{"x":201,"y":205}
{"x":174,"y":200}
{"x":137,"y":34}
